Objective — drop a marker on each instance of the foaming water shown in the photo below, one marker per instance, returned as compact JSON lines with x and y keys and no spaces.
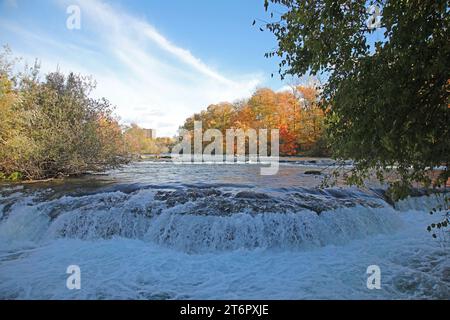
{"x":202,"y":219}
{"x":225,"y":238}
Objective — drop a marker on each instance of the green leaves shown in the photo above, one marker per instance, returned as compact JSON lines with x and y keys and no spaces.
{"x":389,"y":103}
{"x":15,"y":176}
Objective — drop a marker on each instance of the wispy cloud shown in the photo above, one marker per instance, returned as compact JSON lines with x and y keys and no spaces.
{"x":152,"y":81}
{"x":11,"y":3}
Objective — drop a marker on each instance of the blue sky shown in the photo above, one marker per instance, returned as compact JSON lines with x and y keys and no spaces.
{"x":157,"y":61}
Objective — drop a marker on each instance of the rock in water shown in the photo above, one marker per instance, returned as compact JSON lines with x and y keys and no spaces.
{"x":313,"y":172}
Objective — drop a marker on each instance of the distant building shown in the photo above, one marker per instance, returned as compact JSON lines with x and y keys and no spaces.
{"x":150,"y":133}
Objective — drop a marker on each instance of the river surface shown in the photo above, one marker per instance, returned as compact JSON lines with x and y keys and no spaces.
{"x":156,"y":230}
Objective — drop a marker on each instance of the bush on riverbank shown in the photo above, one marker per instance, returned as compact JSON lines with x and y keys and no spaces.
{"x":51,"y":127}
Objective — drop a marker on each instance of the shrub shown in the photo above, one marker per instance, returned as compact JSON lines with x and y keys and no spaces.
{"x":54,"y":128}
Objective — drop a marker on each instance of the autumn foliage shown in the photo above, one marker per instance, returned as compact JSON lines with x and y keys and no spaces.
{"x":138,"y":143}
{"x":294,"y":112}
{"x":52,"y":128}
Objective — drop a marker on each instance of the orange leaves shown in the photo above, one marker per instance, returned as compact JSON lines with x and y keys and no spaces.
{"x":295,"y":113}
{"x":288,"y":142}
{"x":309,"y":94}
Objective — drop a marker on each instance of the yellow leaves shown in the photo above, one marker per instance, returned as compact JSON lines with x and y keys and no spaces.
{"x":9,"y":120}
{"x":137,"y":142}
{"x":309,"y":94}
{"x":296,"y":112}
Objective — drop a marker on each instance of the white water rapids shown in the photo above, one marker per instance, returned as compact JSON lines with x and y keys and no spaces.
{"x":223,"y":240}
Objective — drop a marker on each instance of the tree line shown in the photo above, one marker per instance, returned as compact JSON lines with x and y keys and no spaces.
{"x":294,"y":112}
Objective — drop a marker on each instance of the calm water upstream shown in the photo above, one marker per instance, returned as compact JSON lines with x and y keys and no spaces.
{"x":155,"y":230}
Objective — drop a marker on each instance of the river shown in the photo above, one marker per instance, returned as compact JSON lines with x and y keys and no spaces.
{"x":156,"y":230}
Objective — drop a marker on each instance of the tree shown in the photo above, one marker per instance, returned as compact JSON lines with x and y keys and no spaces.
{"x":299,"y":123}
{"x":388,"y":100}
{"x":53,"y":128}
{"x":137,"y":142}
{"x":288,"y":145}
